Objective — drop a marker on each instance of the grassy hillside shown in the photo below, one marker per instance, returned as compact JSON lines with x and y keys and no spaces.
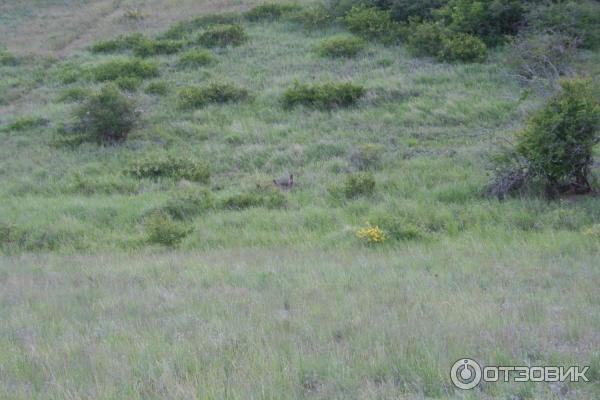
{"x":270,"y":293}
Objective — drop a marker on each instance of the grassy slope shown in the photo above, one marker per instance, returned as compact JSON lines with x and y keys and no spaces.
{"x":297,"y":308}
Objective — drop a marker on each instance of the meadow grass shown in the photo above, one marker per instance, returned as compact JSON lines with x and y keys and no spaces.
{"x":282,"y":301}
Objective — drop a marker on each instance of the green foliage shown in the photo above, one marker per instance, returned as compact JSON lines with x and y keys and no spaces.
{"x":161,"y":165}
{"x":107,"y":116}
{"x":268,"y":197}
{"x":195,"y":58}
{"x":131,"y":68}
{"x":463,"y":47}
{"x":196,"y":97}
{"x":403,"y":10}
{"x":270,"y":11}
{"x":313,"y":17}
{"x":372,"y":23}
{"x":324,"y":96}
{"x":8,"y":59}
{"x":341,"y":46}
{"x":559,"y":139}
{"x":576,"y":19}
{"x":74,"y":94}
{"x":427,"y":38}
{"x":188,"y":203}
{"x":359,"y":184}
{"x":222,"y":35}
{"x":121,"y":43}
{"x":128,"y":83}
{"x":367,"y":157}
{"x":183,"y":29}
{"x":161,"y":229}
{"x":26,"y":123}
{"x":158,"y":88}
{"x":152,"y":47}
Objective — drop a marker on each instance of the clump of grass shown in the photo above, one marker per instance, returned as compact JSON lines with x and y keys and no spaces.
{"x":161,"y":229}
{"x":367,"y":157}
{"x":372,"y":23}
{"x":8,"y":59}
{"x":152,"y":47}
{"x":263,"y":197}
{"x":170,"y":166}
{"x":131,"y":68}
{"x":185,"y":28}
{"x":196,"y":97}
{"x":26,"y":123}
{"x":325,"y":96}
{"x":121,"y":43}
{"x":158,"y":88}
{"x":222,"y":35}
{"x":270,"y":11}
{"x":313,"y":17}
{"x":341,"y":46}
{"x":128,"y":83}
{"x":195,"y":58}
{"x":359,"y":184}
{"x":188,"y":203}
{"x":74,"y":94}
{"x":107,"y":116}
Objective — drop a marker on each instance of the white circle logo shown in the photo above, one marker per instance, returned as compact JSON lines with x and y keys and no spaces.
{"x":465,"y":374}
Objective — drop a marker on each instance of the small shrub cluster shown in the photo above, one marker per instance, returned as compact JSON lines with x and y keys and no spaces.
{"x":371,"y":234}
{"x":462,"y":47}
{"x":313,"y":17}
{"x":341,"y":46}
{"x":8,"y":59}
{"x":162,"y":165}
{"x":126,"y":68}
{"x":359,"y":184}
{"x":26,"y":123}
{"x":158,"y":88}
{"x":367,"y":157}
{"x":121,"y":43}
{"x":196,"y":97}
{"x":270,"y":11}
{"x":107,"y":116}
{"x":128,"y":83}
{"x":372,"y":23}
{"x":261,"y":197}
{"x":188,"y":203}
{"x":161,"y":229}
{"x":74,"y":94}
{"x":195,"y":58}
{"x":325,"y":96}
{"x":222,"y":35}
{"x":183,"y":29}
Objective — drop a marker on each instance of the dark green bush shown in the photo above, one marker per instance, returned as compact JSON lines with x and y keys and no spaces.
{"x":463,"y":47}
{"x":162,"y":165}
{"x":222,"y":35}
{"x":372,"y":23}
{"x":158,"y":88}
{"x":121,"y":43}
{"x":196,"y":97}
{"x":427,"y":38}
{"x":195,"y":58}
{"x":264,"y":197}
{"x":107,"y":116}
{"x":367,"y":157}
{"x":131,"y":68}
{"x":162,"y":229}
{"x":403,"y":10}
{"x":576,"y":19}
{"x":313,"y":17}
{"x":188,"y":203}
{"x":559,"y":139}
{"x":26,"y":123}
{"x":270,"y":11}
{"x":359,"y":184}
{"x":185,"y":28}
{"x":151,"y":47}
{"x":325,"y":96}
{"x":341,"y":46}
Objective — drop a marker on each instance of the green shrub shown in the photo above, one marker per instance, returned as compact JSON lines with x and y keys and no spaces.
{"x":75,"y":94}
{"x":325,"y":96}
{"x":162,"y":165}
{"x":463,"y":47}
{"x":403,"y":10}
{"x":559,"y":139}
{"x":367,"y":157}
{"x":128,"y":83}
{"x":131,"y":68}
{"x":397,"y":227}
{"x":161,"y":229}
{"x":196,"y":97}
{"x":185,"y":28}
{"x":188,"y":203}
{"x":313,"y":17}
{"x":158,"y":88}
{"x":270,"y":11}
{"x":121,"y":43}
{"x":372,"y":23}
{"x":107,"y":116}
{"x":222,"y":36}
{"x":427,"y":38}
{"x":359,"y":184}
{"x":8,"y":59}
{"x":195,"y":58}
{"x":151,"y":47}
{"x":261,"y":197}
{"x":26,"y":123}
{"x":576,"y":19}
{"x":341,"y":46}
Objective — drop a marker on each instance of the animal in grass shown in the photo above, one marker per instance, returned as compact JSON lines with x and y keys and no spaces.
{"x":285,"y":182}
